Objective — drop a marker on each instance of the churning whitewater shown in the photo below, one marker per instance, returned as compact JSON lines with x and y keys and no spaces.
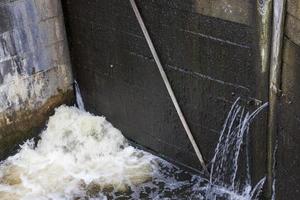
{"x":77,"y":152}
{"x":81,"y":156}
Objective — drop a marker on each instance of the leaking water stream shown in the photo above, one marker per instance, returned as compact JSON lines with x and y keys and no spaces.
{"x":82,"y":156}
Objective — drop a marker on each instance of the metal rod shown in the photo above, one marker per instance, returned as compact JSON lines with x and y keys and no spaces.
{"x":274,"y":87}
{"x":167,"y":84}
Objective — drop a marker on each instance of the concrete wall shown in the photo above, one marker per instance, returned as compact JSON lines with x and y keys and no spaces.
{"x":35,"y":72}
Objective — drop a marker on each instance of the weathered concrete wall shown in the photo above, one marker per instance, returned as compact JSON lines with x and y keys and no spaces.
{"x":288,"y":157}
{"x":35,"y":72}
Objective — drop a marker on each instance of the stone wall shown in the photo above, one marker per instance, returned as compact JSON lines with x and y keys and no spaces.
{"x":35,"y":71}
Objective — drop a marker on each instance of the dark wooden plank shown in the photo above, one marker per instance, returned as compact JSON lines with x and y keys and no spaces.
{"x":292,"y":28}
{"x":119,"y":15}
{"x":193,"y":53}
{"x":232,"y":10}
{"x":288,"y":159}
{"x":293,"y":8}
{"x":291,"y":53}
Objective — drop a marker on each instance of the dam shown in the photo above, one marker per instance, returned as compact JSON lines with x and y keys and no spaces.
{"x":213,"y":53}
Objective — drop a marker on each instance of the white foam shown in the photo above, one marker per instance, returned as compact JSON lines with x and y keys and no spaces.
{"x":78,"y":153}
{"x":82,"y":156}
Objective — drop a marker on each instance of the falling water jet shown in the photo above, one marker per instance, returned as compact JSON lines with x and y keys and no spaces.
{"x":79,"y":101}
{"x":224,"y":165}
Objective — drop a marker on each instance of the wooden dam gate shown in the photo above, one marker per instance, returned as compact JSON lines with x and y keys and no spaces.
{"x":213,"y":51}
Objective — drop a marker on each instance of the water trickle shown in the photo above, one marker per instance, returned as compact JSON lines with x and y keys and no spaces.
{"x":79,"y":100}
{"x":224,"y":165}
{"x":274,"y":172}
{"x":82,"y":156}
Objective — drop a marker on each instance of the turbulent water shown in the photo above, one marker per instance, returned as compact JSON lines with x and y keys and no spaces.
{"x":82,"y":156}
{"x":77,"y":152}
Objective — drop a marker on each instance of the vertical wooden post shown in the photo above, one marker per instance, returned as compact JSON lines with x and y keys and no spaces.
{"x":274,"y":88}
{"x":259,"y":139}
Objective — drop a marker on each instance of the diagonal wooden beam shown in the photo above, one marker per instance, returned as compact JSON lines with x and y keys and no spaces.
{"x":167,"y":84}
